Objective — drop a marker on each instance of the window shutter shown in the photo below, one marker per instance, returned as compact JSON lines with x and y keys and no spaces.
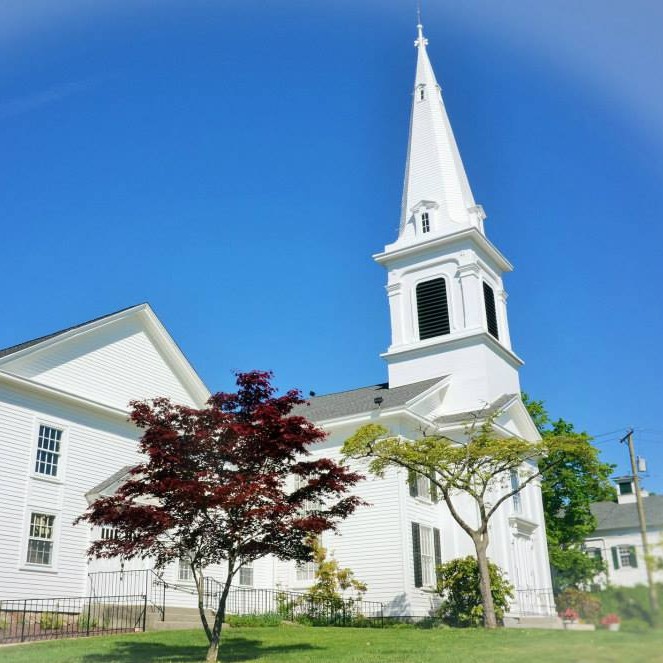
{"x":438,"y":548}
{"x":416,"y":555}
{"x":615,"y":557}
{"x":433,"y":491}
{"x":432,"y":309}
{"x":633,"y":557}
{"x":412,"y":482}
{"x":491,"y":311}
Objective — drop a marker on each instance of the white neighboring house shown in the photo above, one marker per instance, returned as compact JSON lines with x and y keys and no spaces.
{"x":617,"y":541}
{"x":64,"y":398}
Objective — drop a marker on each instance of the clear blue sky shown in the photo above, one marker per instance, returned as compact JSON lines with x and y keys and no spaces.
{"x":237,"y":163}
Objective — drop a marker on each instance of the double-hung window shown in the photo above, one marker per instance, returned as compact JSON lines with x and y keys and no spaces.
{"x":426,"y":554}
{"x":306,"y":571}
{"x":421,"y":486}
{"x":184,"y":572}
{"x":40,"y":539}
{"x":246,"y":575}
{"x":624,"y":556}
{"x":48,"y":451}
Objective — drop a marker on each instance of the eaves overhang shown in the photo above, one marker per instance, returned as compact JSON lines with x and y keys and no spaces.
{"x":62,"y":395}
{"x":452,"y":341}
{"x":427,"y":246}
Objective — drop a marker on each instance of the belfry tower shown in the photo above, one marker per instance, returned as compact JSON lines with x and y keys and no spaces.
{"x":446,"y":298}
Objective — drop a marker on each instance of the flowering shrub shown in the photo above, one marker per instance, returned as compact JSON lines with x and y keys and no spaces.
{"x":569,"y":614}
{"x":611,"y":618}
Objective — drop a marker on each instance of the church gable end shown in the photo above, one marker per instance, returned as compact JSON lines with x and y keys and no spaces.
{"x":112,"y":361}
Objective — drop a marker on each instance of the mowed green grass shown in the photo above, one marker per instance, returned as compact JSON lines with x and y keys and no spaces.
{"x":337,"y":645}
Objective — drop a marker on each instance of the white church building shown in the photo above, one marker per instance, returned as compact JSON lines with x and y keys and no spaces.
{"x":65,"y":437}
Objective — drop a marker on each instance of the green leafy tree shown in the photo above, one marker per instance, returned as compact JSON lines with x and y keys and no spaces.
{"x":568,"y":490}
{"x":332,"y":583}
{"x":479,"y":467}
{"x":458,"y":584}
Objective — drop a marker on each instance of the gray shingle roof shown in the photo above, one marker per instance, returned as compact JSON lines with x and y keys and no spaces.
{"x":26,"y":344}
{"x":610,"y":515}
{"x":356,"y":401}
{"x":459,"y":417}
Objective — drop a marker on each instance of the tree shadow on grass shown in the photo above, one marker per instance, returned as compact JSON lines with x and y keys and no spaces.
{"x":237,"y":649}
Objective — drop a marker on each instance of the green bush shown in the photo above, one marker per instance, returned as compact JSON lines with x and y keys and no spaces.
{"x":458,"y":585}
{"x":631,"y":604}
{"x":50,"y":621}
{"x":268,"y":619}
{"x":86,"y":622}
{"x":588,"y":606}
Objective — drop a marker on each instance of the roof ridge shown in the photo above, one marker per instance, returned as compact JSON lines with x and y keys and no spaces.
{"x":383,"y":385}
{"x":4,"y":352}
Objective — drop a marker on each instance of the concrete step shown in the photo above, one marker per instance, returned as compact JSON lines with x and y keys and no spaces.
{"x":534,"y":621}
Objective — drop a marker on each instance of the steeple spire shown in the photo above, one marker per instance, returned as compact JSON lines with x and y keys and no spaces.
{"x":435,"y":181}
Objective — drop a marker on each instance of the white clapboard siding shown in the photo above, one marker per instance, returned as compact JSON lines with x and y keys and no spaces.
{"x":93,"y":447}
{"x":112,"y":364}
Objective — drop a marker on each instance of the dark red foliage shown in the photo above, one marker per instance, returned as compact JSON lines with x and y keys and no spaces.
{"x":216,"y":483}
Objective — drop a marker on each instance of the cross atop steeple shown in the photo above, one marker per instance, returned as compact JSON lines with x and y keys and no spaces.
{"x":437,"y":198}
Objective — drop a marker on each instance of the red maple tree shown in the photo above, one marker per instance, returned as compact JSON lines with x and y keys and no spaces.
{"x":216,"y":487}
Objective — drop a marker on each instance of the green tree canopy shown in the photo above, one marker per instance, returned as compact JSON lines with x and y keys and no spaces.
{"x":568,"y":489}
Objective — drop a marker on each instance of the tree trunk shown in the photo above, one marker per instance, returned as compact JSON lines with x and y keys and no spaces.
{"x":481,"y":547}
{"x":200,"y":590}
{"x":213,"y":651}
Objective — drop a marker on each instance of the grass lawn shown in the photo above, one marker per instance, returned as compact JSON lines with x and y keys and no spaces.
{"x":349,"y":645}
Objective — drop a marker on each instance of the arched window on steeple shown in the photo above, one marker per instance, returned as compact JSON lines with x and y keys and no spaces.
{"x":491,"y":311}
{"x":425,"y":222}
{"x":432,"y":309}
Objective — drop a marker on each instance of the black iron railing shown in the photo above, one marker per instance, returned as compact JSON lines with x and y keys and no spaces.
{"x":131,"y":583}
{"x":49,"y":619}
{"x":294,"y":606}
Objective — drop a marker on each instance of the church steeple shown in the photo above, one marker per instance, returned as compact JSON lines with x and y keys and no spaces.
{"x":446,"y":296}
{"x":437,"y":198}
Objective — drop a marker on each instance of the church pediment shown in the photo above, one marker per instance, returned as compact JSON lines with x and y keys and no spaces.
{"x":118,"y":358}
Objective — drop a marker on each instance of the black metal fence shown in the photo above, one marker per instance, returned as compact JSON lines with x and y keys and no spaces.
{"x":130,"y":583}
{"x":49,"y":619}
{"x":295,"y":606}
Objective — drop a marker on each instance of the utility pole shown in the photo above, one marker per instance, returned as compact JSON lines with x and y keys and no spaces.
{"x":653,"y":598}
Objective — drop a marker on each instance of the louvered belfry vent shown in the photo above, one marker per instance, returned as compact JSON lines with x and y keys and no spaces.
{"x":432,"y":308}
{"x":491,"y":312}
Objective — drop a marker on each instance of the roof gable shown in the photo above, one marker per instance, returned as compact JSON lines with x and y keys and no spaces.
{"x":111,"y":360}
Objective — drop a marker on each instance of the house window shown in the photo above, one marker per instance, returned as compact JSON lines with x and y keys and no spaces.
{"x":40,"y":540}
{"x":594,"y":553}
{"x":624,"y":556}
{"x":306,"y":571}
{"x":426,"y":554}
{"x":432,"y":308}
{"x":421,"y":486}
{"x":491,"y":311}
{"x":108,"y":532}
{"x":309,"y":505}
{"x":48,"y":451}
{"x":246,"y":575}
{"x":517,"y":497}
{"x":184,"y":572}
{"x":626,"y":488}
{"x":425,"y":222}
